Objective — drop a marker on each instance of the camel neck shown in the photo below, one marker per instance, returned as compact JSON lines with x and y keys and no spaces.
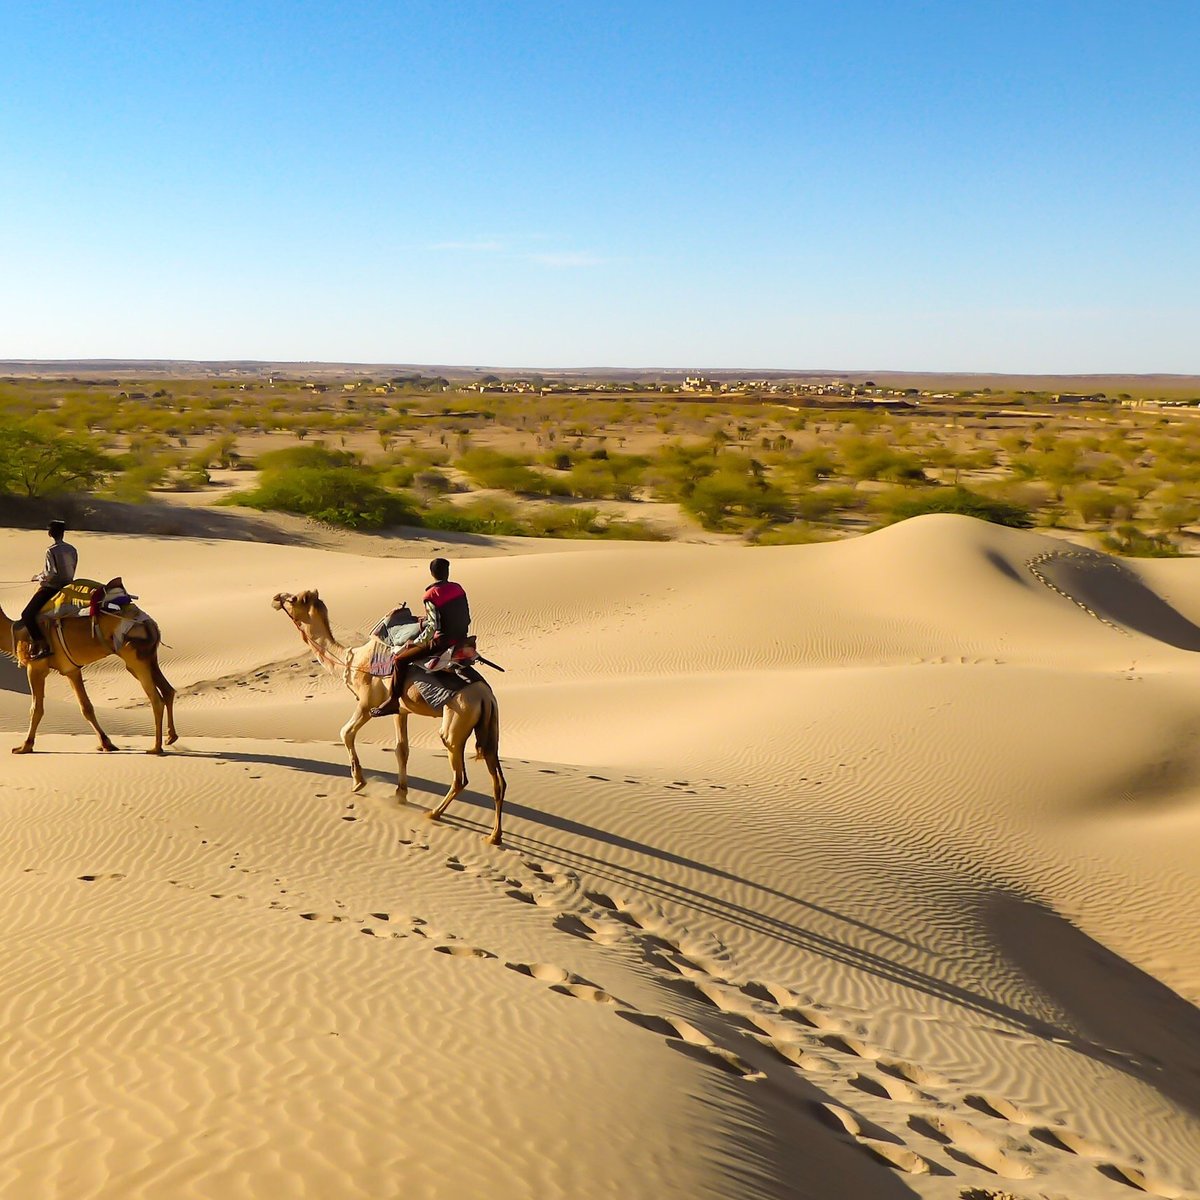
{"x":329,"y":651}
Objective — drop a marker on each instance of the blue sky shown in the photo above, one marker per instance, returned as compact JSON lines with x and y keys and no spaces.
{"x":923,"y":186}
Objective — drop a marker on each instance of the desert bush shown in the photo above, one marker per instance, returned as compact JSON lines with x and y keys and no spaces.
{"x":479,"y":516}
{"x":345,"y":496}
{"x":432,"y":482}
{"x":1092,"y":504}
{"x":735,"y":489}
{"x":314,"y":457}
{"x":1131,"y":542}
{"x":491,"y":469}
{"x":794,"y":533}
{"x":901,"y":504}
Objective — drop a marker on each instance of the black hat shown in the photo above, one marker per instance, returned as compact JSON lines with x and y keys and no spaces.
{"x":57,"y":528}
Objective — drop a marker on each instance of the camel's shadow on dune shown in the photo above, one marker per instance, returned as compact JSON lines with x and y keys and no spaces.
{"x":1094,"y":1002}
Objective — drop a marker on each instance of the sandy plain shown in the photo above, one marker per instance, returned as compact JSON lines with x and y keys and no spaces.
{"x":862,"y":869}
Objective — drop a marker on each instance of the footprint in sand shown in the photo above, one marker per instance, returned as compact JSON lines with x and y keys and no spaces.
{"x":545,"y":972}
{"x":601,"y":932}
{"x":972,"y":1147}
{"x":798,"y":1056}
{"x":562,"y":981}
{"x":618,"y":911}
{"x":112,"y":875}
{"x":459,"y":950}
{"x":843,"y":1120}
{"x":911,"y":1073}
{"x":584,"y":991}
{"x":887,"y":1089}
{"x":528,"y":897}
{"x":849,"y":1045}
{"x":693,"y":1042}
{"x":1140,"y":1180}
{"x":1068,"y":1140}
{"x":899,"y":1157}
{"x":322,"y":918}
{"x":997,"y":1106}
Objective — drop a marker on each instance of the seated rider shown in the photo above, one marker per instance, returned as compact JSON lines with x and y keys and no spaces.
{"x":447,"y":622}
{"x":61,"y":560}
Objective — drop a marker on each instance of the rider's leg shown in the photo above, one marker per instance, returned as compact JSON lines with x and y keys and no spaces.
{"x":38,"y":643}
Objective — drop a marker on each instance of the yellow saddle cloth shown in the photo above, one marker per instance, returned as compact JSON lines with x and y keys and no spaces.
{"x":74,"y":600}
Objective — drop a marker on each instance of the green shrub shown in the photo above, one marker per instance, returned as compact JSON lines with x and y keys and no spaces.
{"x":900,"y":505}
{"x":478,"y":516}
{"x":345,"y":496}
{"x":1131,"y":542}
{"x":134,"y":483}
{"x":794,"y":533}
{"x":310,"y":457}
{"x":491,"y":469}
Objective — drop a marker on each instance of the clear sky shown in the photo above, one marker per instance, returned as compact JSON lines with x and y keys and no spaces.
{"x":995,"y":186}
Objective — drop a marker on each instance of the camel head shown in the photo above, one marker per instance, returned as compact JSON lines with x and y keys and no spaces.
{"x":302,"y":607}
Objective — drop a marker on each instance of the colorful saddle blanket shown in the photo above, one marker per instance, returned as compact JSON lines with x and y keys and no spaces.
{"x":87,"y":598}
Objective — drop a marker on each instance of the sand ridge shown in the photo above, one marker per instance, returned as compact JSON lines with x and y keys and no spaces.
{"x":888,"y":889}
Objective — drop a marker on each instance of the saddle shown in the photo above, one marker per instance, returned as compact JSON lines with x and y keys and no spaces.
{"x":91,"y":599}
{"x":86,"y":598}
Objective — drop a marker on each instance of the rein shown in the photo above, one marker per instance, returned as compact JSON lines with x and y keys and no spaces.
{"x":325,"y":656}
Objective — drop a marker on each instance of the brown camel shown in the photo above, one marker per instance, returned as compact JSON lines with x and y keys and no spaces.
{"x":474,"y":709}
{"x":74,"y":645}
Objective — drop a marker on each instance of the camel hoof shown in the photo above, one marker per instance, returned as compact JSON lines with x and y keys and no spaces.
{"x":494,"y":839}
{"x":22,"y":749}
{"x":108,"y":748}
{"x":402,"y":796}
{"x":160,"y":752}
{"x":433,"y":816}
{"x":172,"y":738}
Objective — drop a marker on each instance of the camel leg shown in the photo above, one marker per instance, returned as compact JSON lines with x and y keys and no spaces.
{"x":349,"y":731}
{"x":143,"y":672}
{"x":499,"y":787}
{"x":487,"y":744}
{"x":167,"y":692}
{"x":402,"y":756}
{"x":456,"y":728}
{"x":37,"y":706}
{"x":75,"y":679}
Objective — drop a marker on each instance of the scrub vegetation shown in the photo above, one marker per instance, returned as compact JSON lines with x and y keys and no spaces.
{"x":609,"y":459}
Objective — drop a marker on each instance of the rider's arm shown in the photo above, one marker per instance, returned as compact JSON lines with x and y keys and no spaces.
{"x":430,"y":627}
{"x":49,"y":570}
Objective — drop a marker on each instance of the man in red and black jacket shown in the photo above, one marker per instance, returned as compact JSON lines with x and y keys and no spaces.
{"x":447,"y":623}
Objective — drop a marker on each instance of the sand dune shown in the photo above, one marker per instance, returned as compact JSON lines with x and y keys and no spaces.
{"x":866,"y":869}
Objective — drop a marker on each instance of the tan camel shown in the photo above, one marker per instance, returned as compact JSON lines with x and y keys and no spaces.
{"x":74,"y":646}
{"x":474,"y":709}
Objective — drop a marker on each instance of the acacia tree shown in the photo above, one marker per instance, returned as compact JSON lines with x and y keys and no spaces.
{"x":33,"y":463}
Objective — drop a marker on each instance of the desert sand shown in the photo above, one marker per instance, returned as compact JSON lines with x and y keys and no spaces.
{"x":865,"y":869}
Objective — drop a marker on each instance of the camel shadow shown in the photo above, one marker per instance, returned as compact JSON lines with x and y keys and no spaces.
{"x":1150,"y":1031}
{"x":1016,"y":923}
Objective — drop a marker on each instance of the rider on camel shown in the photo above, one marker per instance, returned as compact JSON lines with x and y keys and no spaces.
{"x":446,"y":624}
{"x":61,"y":560}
